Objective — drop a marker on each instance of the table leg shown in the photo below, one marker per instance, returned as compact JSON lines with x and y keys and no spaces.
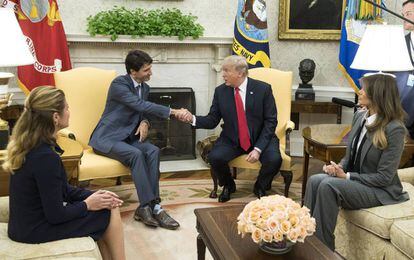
{"x":201,"y":248}
{"x":305,"y":171}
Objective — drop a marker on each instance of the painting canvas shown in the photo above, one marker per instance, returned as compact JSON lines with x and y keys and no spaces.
{"x":310,"y":19}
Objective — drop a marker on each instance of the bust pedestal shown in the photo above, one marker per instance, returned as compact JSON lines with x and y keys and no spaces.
{"x":305,"y":92}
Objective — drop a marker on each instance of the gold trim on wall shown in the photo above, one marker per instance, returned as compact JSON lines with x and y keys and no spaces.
{"x":285,"y":33}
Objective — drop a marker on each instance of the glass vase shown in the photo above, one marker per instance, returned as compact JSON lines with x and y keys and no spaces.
{"x":276,"y":248}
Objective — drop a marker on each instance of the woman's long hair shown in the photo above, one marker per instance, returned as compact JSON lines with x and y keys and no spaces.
{"x":35,"y":125}
{"x":381,"y":90}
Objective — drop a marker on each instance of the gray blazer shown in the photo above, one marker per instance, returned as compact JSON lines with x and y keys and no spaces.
{"x":124,"y":110}
{"x":379,"y":167}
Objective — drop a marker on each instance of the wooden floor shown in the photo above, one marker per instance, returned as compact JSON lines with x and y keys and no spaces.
{"x":315,"y":166}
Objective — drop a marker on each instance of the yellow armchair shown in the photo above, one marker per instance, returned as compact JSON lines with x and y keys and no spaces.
{"x":281,"y":82}
{"x":86,"y":90}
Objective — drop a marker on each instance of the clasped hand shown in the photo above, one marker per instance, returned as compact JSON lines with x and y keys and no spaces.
{"x":103,"y":199}
{"x":183,"y":115}
{"x":334,"y":170}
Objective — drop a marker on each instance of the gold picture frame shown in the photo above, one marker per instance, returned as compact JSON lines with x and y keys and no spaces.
{"x":296,"y":22}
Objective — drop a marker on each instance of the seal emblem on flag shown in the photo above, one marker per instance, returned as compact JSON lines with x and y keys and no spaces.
{"x":35,"y":10}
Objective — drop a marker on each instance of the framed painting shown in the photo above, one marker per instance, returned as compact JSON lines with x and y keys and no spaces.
{"x":310,"y":19}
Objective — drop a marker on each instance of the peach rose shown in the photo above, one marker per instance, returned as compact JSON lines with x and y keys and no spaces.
{"x":272,"y":223}
{"x":267,"y":236}
{"x":293,"y":235}
{"x":257,"y":235}
{"x":278,"y":236}
{"x":285,"y":226}
{"x":253,"y":216}
{"x":294,"y":221}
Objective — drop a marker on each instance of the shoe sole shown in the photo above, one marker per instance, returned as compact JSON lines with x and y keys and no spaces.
{"x":147,"y":224}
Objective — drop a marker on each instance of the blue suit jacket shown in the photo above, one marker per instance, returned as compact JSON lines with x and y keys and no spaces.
{"x":260,"y":109}
{"x":124,"y":110}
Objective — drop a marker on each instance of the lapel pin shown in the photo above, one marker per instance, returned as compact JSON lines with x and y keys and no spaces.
{"x":251,"y":92}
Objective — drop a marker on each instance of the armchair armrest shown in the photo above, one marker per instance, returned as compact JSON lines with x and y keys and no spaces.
{"x":67,"y":133}
{"x":289,"y":126}
{"x":4,"y":209}
{"x":406,"y":175}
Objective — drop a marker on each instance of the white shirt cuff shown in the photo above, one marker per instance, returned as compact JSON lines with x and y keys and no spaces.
{"x":194,"y":121}
{"x":257,"y":149}
{"x":348,"y":176}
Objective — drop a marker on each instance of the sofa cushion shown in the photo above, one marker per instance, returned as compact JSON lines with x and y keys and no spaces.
{"x":95,"y":166}
{"x":4,"y":209}
{"x":378,"y":220}
{"x":62,"y":248}
{"x":402,"y":236}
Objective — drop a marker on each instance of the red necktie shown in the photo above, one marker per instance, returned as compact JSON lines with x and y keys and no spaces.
{"x":242,"y":122}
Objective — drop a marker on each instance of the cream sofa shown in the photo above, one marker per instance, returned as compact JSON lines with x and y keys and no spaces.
{"x":385,"y":232}
{"x":74,"y":248}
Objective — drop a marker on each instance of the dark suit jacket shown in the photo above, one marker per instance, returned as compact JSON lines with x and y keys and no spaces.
{"x":37,"y":192}
{"x":379,"y":167}
{"x":124,"y":110}
{"x":260,"y":109}
{"x":407,"y":92}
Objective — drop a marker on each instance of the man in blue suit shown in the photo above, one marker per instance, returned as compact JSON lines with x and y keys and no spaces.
{"x":121,"y":135}
{"x":248,"y":110}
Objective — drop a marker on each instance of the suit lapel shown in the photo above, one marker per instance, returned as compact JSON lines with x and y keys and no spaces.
{"x":145,"y":91}
{"x":365,"y":148}
{"x":408,"y":42}
{"x":249,"y":106}
{"x":130,"y":83}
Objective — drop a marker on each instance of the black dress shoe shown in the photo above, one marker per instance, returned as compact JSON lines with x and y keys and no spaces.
{"x":227,"y":190}
{"x":259,"y":192}
{"x":166,"y":221}
{"x":145,"y":215}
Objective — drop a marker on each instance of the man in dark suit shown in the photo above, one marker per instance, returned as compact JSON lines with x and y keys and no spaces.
{"x":248,"y":109}
{"x":405,"y":79}
{"x":121,"y":135}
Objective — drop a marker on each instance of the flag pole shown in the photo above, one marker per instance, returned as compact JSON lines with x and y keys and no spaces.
{"x":389,"y":11}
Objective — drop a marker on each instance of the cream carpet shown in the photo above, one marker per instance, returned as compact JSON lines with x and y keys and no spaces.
{"x":179,"y":198}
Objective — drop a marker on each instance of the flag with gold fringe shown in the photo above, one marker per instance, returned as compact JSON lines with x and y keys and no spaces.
{"x":251,"y":38}
{"x":358,"y":14}
{"x":42,"y":25}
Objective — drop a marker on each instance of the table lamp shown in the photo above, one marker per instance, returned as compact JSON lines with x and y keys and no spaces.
{"x":383,"y":48}
{"x":13,"y":52}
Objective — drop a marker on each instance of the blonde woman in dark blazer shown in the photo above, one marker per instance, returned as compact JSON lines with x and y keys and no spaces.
{"x":367,"y":175}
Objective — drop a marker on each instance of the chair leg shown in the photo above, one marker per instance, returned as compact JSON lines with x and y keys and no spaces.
{"x":234,"y":173}
{"x":213,"y":193}
{"x":287,"y":177}
{"x":118,"y":180}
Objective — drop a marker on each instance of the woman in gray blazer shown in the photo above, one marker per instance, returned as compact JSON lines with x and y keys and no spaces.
{"x":367,"y":175}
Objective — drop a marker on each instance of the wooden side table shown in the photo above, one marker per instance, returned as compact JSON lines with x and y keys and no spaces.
{"x":305,"y":106}
{"x":70,"y":158}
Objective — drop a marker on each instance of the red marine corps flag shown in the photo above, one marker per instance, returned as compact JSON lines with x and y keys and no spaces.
{"x":42,"y":25}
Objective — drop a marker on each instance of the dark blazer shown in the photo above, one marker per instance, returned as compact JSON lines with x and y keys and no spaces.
{"x":379,"y":167}
{"x":124,"y":110}
{"x":38,"y":191}
{"x":260,"y":109}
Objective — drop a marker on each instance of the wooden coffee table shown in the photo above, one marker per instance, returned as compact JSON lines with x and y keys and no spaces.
{"x":217,"y":228}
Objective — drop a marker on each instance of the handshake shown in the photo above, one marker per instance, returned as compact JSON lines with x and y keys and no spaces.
{"x":183,"y":115}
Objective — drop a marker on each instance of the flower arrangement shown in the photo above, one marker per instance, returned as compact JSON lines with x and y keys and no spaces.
{"x":275,"y":219}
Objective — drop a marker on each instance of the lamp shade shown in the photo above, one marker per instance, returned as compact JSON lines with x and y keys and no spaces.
{"x":383,"y":48}
{"x":13,"y":48}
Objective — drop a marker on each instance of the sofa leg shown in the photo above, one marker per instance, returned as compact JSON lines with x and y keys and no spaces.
{"x":213,"y":193}
{"x":118,"y":181}
{"x":287,"y":176}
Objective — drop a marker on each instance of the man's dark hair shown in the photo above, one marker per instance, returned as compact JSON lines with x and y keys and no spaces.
{"x":135,"y":59}
{"x":408,"y":1}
